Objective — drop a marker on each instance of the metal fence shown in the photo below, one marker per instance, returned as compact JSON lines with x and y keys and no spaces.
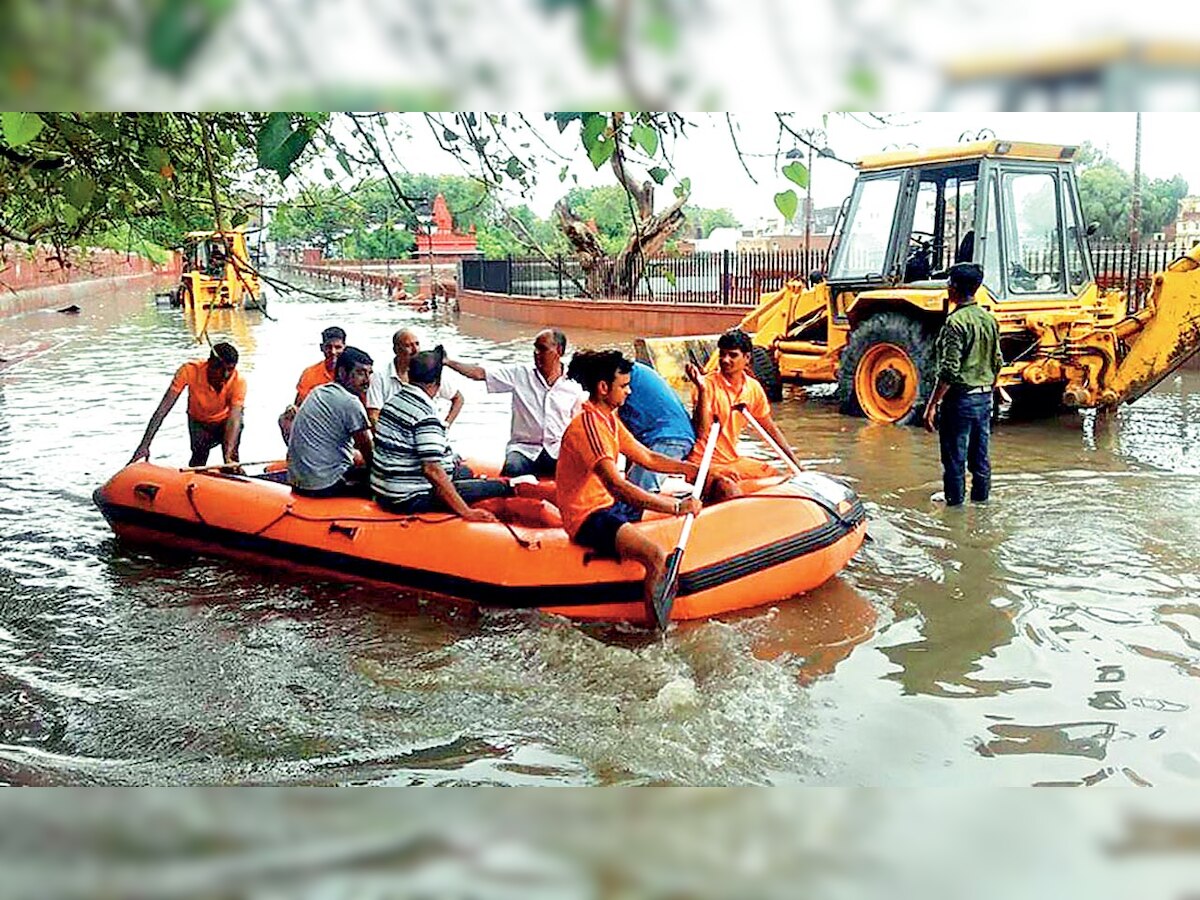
{"x":738,"y":279}
{"x":723,"y":278}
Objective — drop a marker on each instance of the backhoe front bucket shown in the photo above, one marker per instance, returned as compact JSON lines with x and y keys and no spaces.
{"x":669,"y":355}
{"x":1170,"y":334}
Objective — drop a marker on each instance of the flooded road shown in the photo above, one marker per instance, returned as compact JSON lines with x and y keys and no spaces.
{"x":1050,"y":637}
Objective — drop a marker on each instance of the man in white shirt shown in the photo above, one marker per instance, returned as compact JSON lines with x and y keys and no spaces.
{"x":544,"y":401}
{"x":386,"y":381}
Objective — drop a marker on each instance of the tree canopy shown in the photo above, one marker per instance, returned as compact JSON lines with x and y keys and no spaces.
{"x":1106,"y":195}
{"x":73,"y":179}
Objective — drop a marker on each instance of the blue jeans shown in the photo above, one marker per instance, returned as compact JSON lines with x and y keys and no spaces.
{"x":676,"y":448}
{"x":517,"y":463}
{"x":963,"y":430}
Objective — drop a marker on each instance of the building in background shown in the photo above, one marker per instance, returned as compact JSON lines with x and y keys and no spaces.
{"x":437,"y":240}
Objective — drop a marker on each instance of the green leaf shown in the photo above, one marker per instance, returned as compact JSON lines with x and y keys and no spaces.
{"x":278,"y":145}
{"x":646,"y":136}
{"x":659,"y":174}
{"x":563,"y":119}
{"x":593,"y":126}
{"x":329,"y":173}
{"x":669,"y":274}
{"x":449,"y":136}
{"x":241,"y":217}
{"x":797,"y":173}
{"x":514,"y":168}
{"x":80,"y":189}
{"x":601,"y":152}
{"x":684,"y":187}
{"x":344,"y":162}
{"x":786,"y":202}
{"x":270,"y":138}
{"x":70,"y":216}
{"x":20,"y":127}
{"x":562,"y":173}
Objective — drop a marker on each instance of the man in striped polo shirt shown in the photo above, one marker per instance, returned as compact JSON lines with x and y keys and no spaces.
{"x":414,"y":469}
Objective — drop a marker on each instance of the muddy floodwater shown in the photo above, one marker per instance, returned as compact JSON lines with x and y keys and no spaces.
{"x":1049,"y":637}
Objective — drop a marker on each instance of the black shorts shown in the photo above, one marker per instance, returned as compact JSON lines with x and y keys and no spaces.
{"x":599,"y":530}
{"x":204,"y":436}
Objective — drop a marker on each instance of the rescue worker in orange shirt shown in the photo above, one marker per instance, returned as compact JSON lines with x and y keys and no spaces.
{"x":588,"y":482}
{"x":216,"y":398}
{"x":333,"y":342}
{"x":717,"y":396}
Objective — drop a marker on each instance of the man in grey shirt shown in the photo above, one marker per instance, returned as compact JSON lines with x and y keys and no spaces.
{"x":330,"y":425}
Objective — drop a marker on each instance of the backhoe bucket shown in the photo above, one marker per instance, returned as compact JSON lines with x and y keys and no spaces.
{"x":669,"y":355}
{"x":1171,"y":334}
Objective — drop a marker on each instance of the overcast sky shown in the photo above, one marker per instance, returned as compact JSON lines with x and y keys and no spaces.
{"x":718,"y":179}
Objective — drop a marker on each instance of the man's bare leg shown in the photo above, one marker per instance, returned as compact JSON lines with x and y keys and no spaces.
{"x":632,"y":544}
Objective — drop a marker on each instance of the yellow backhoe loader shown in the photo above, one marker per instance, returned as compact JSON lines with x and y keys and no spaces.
{"x":217,"y":273}
{"x":869,"y":323}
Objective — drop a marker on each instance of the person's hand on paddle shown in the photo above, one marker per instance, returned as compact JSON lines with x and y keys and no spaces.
{"x":478,"y":515}
{"x":694,"y":375}
{"x":685,"y":505}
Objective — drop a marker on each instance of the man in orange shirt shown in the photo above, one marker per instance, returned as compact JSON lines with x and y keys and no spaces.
{"x":717,"y":396}
{"x":333,"y":342}
{"x":588,"y":482}
{"x":216,"y":397}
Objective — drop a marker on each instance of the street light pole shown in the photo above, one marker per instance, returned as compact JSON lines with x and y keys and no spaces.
{"x":808,"y":216}
{"x":1135,"y":219}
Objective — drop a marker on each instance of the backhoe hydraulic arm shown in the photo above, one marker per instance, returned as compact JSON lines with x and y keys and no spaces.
{"x":1162,"y":335}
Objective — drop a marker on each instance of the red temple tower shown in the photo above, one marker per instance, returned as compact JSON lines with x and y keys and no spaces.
{"x":442,"y":242}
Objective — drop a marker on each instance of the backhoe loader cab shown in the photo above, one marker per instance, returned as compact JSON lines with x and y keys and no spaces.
{"x":1012,"y":207}
{"x":216,"y":272}
{"x":1012,"y":210}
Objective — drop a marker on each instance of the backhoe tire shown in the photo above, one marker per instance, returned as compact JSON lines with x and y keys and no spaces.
{"x":766,"y":370}
{"x":886,"y":372}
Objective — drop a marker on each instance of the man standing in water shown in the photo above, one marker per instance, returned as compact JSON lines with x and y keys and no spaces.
{"x":216,"y":397}
{"x":544,"y":402}
{"x":968,"y":364}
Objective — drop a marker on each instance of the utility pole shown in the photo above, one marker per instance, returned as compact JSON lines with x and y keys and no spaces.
{"x":808,"y":216}
{"x":1132,"y":301}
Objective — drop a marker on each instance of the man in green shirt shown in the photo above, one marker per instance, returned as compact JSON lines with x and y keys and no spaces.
{"x":968,"y":364}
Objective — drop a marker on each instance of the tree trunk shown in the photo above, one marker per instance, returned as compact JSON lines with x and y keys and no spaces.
{"x":618,"y":276}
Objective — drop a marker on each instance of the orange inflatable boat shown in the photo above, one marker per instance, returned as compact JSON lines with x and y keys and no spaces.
{"x":787,"y":537}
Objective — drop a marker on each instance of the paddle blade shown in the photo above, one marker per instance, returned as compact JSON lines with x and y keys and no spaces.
{"x":664,"y":592}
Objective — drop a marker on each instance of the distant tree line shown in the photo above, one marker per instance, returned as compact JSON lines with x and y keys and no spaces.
{"x":369,"y":223}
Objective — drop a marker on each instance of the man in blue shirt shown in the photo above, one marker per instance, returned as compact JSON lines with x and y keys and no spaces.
{"x":656,"y":416}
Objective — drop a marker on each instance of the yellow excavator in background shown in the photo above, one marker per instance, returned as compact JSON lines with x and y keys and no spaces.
{"x":217,"y":273}
{"x":869,"y":323}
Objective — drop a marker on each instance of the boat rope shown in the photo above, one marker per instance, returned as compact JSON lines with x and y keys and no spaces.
{"x":826,"y":505}
{"x":191,"y":490}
